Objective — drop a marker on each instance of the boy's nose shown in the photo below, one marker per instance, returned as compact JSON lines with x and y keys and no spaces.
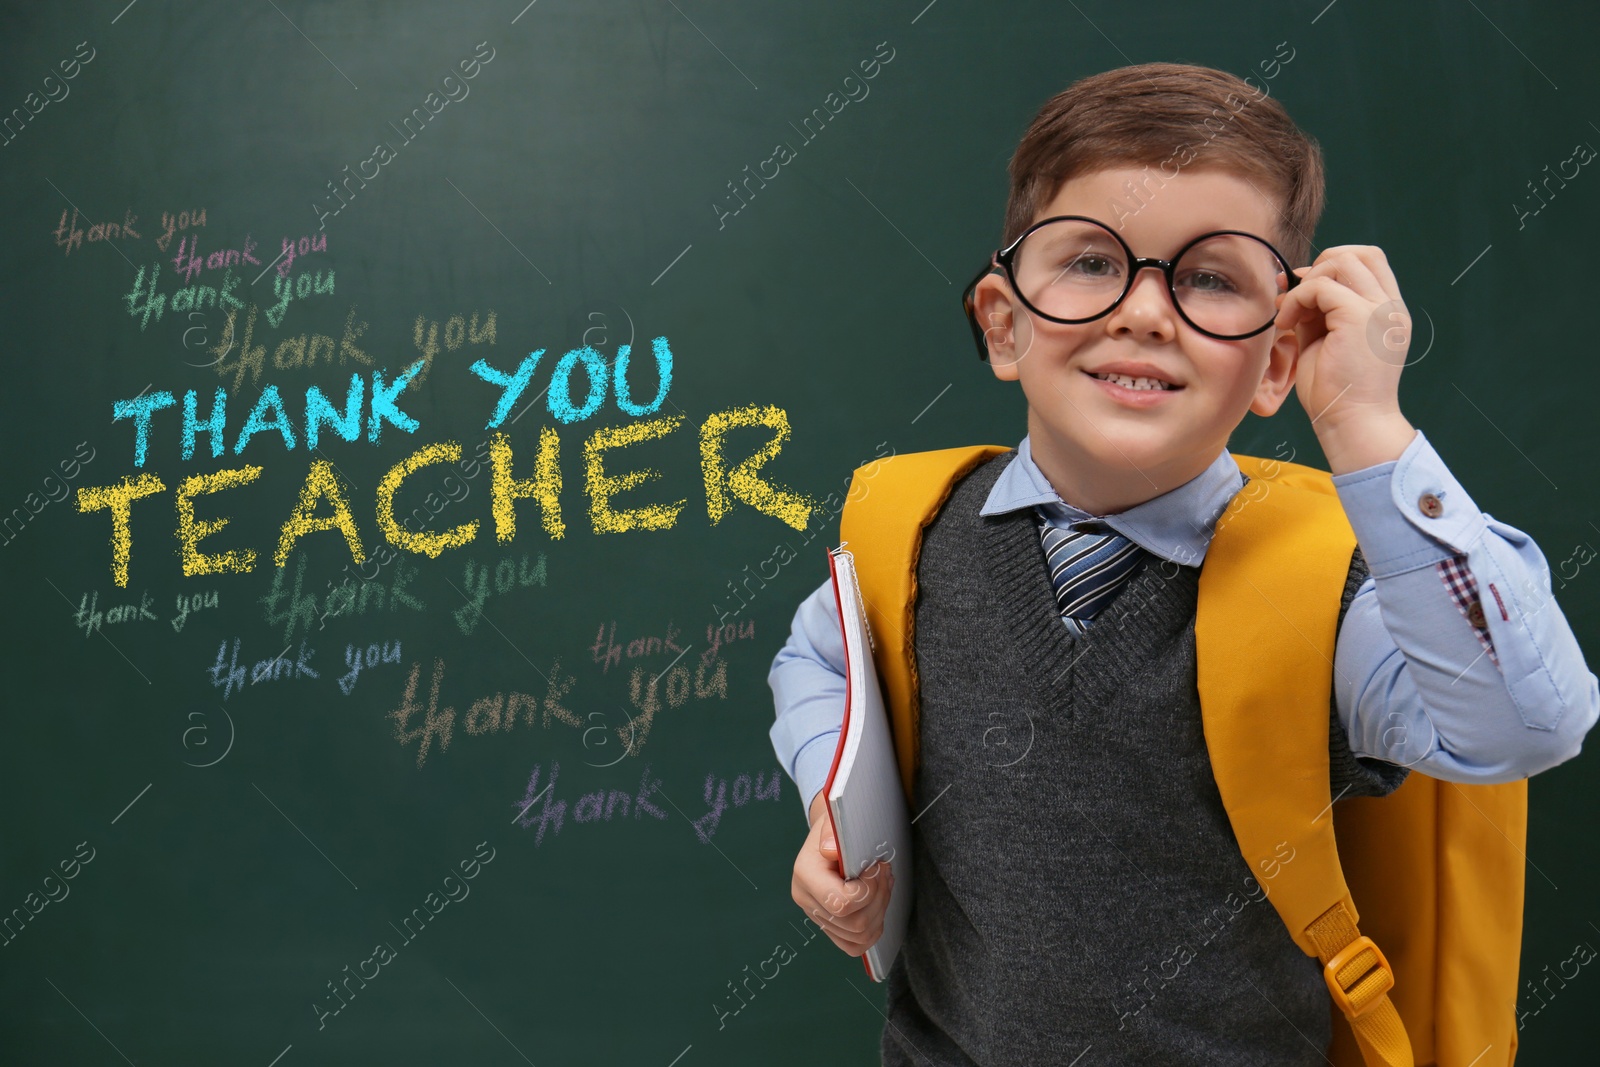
{"x":1148,"y":299}
{"x":1149,"y":279}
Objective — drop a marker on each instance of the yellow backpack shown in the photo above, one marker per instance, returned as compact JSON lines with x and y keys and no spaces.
{"x":1437,"y":866}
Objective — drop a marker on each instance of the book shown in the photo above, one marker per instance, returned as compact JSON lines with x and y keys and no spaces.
{"x":865,"y":799}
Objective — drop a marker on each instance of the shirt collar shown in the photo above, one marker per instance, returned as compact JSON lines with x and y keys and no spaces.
{"x":1176,"y":526}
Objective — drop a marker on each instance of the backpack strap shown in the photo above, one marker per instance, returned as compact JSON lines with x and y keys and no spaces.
{"x":889,"y":503}
{"x":1272,"y":578}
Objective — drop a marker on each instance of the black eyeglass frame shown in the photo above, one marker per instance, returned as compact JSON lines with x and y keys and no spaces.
{"x":1000,"y":262}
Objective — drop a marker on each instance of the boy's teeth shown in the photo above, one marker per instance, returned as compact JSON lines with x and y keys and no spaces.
{"x":1133,"y":383}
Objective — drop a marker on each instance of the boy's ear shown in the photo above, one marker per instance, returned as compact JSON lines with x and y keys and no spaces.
{"x":997,"y":317}
{"x":1278,"y":378}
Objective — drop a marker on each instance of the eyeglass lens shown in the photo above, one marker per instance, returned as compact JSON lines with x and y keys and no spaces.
{"x":1073,"y":269}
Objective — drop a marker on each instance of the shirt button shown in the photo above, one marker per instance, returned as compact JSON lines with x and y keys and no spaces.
{"x":1475,"y":615}
{"x":1430,"y":505}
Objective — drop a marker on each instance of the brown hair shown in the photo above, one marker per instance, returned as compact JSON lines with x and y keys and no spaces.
{"x":1165,"y":116}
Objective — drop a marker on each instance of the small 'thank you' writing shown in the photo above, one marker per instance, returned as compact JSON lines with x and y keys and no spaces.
{"x":605,"y":805}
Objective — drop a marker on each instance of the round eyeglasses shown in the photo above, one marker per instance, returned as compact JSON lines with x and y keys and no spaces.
{"x":1073,"y":269}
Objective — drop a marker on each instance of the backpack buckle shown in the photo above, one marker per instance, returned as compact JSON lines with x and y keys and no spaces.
{"x":1369,"y":986}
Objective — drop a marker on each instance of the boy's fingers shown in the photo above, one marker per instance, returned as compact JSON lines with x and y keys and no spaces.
{"x":869,"y":884}
{"x":850,"y":926}
{"x":820,"y":879}
{"x":858,"y":898}
{"x":848,"y":931}
{"x":850,"y":947}
{"x":847,"y":898}
{"x":844,"y":899}
{"x":850,"y":911}
{"x":854,"y":931}
{"x":855,"y":927}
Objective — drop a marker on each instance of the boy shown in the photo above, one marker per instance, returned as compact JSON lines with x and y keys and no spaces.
{"x":1051,"y":869}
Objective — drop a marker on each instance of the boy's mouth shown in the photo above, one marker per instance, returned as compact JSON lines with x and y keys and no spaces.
{"x":1135,"y":383}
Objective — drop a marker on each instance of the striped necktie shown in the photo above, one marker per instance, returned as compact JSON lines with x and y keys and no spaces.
{"x":1087,"y":569}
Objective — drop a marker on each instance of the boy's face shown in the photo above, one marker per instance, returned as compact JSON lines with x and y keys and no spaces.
{"x":1105,"y":448}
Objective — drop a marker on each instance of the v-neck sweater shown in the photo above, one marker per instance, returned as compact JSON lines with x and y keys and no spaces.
{"x":1077,"y":881}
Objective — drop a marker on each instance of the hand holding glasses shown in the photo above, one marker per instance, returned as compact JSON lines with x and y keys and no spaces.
{"x":1073,"y":269}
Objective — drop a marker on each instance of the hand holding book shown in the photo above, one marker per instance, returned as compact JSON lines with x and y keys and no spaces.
{"x":850,"y":911}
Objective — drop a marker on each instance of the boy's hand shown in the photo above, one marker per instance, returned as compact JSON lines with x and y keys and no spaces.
{"x":849,"y":912}
{"x":1354,"y":332}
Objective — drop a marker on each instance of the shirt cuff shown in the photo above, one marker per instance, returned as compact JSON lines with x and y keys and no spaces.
{"x":811,"y":767}
{"x":1409,"y":512}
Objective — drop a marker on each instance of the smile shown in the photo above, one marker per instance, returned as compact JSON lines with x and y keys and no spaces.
{"x":1135,"y":392}
{"x":1134,"y":383}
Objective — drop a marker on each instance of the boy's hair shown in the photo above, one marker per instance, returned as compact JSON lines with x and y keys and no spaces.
{"x":1164,"y":117}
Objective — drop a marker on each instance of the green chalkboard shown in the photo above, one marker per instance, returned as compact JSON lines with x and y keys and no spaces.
{"x":283,"y":762}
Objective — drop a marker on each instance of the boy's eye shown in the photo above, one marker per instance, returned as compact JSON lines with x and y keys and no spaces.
{"x":1207,"y":281}
{"x":1091,"y":264}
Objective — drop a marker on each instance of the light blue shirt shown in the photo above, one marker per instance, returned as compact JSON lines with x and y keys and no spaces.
{"x":1413,"y":684}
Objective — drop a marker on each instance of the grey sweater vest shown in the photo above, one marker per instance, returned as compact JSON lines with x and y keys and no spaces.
{"x":1079,"y":891}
